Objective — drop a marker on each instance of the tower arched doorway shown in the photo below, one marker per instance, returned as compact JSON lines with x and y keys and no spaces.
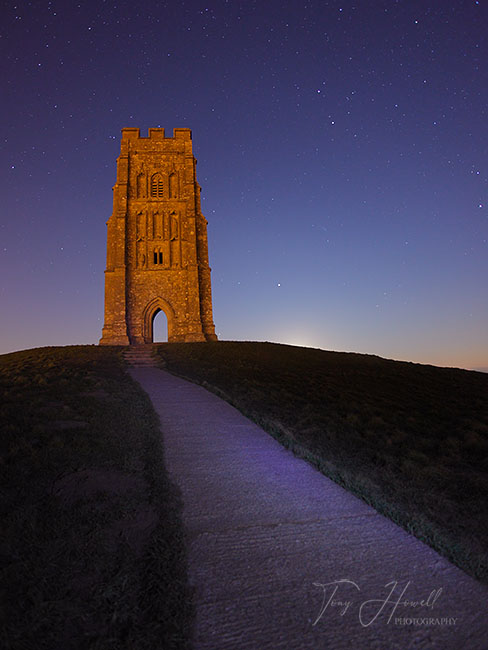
{"x":152,"y":318}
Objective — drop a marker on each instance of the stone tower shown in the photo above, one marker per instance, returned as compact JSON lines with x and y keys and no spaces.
{"x":157,"y":251}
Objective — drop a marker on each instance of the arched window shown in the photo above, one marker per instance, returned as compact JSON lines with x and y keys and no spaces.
{"x":140,"y":185}
{"x":174,"y":226}
{"x":158,"y":256}
{"x":157,"y":186}
{"x":173,"y":186}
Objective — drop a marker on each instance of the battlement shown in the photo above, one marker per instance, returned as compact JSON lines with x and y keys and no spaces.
{"x":134,"y":133}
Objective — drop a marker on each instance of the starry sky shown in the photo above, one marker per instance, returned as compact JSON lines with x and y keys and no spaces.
{"x":342,"y":153}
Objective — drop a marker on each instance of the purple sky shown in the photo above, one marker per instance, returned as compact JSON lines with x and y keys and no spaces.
{"x":342,"y":152}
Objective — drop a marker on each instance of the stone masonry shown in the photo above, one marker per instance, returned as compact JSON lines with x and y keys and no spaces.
{"x":157,"y":249}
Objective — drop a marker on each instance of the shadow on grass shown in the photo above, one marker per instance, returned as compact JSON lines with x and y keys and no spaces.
{"x":409,"y":439}
{"x":92,"y":539}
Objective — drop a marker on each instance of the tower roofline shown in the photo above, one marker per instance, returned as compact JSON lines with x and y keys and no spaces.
{"x":134,"y":133}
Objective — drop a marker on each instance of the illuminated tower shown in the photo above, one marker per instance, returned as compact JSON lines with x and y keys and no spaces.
{"x":157,"y":250}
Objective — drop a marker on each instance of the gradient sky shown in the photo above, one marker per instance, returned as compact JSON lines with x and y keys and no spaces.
{"x":342,"y":152}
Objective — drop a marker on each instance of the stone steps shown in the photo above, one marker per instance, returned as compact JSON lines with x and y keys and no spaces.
{"x":139,"y":356}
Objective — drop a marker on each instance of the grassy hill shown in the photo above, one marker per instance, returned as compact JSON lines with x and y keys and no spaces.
{"x":410,"y":439}
{"x":92,"y":544}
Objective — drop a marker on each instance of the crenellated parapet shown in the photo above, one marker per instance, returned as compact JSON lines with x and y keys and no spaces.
{"x":155,"y":134}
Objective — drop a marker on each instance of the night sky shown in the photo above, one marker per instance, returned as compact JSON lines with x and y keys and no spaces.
{"x":342,"y":153}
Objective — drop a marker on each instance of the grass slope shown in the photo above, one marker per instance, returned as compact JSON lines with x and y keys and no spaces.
{"x":92,"y":543}
{"x":410,"y":439}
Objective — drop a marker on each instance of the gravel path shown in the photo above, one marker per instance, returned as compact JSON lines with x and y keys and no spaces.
{"x":282,"y":557}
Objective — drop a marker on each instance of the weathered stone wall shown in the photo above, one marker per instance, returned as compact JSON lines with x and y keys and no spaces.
{"x":157,"y":248}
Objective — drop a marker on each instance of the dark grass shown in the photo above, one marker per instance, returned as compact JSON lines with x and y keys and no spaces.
{"x":410,"y":439}
{"x":92,"y":544}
